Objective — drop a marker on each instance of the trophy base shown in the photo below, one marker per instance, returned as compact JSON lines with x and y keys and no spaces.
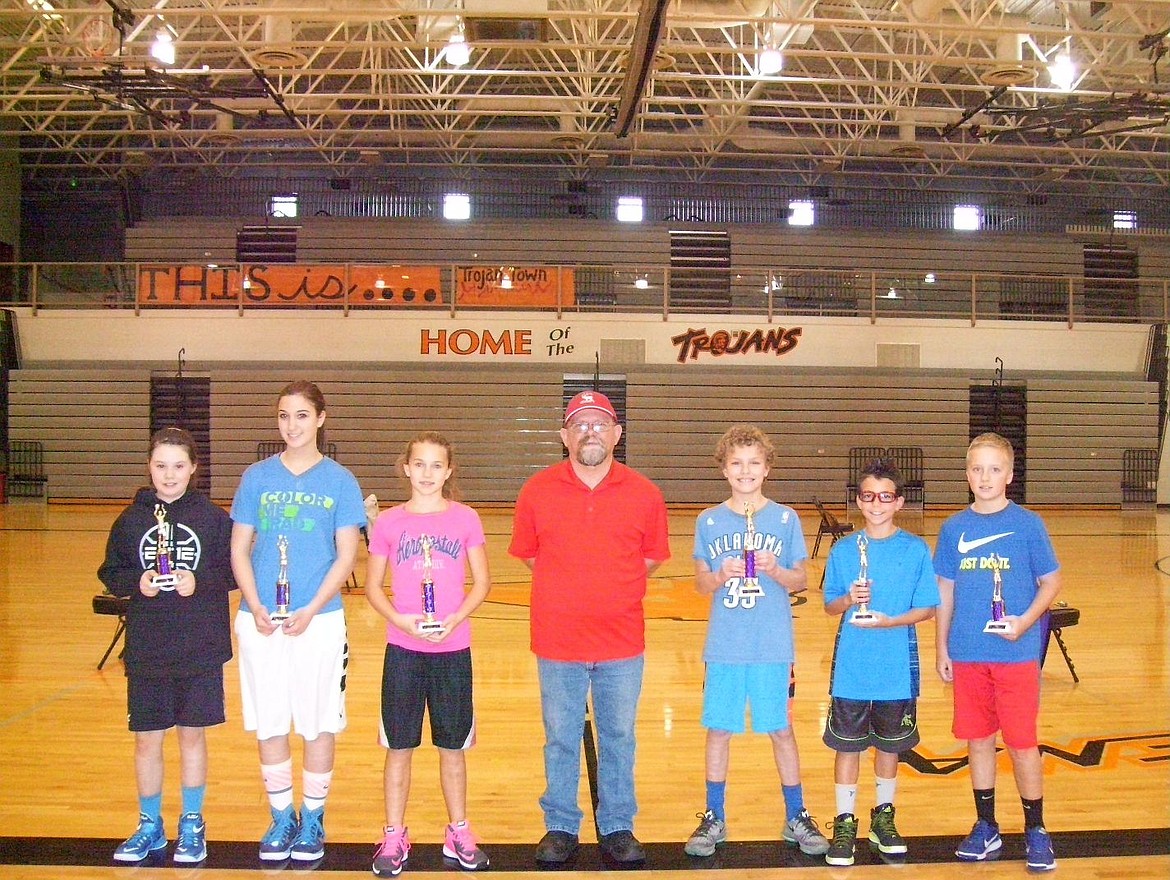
{"x":165,"y":582}
{"x":426,"y":627}
{"x":280,"y":615}
{"x":997,"y":626}
{"x":751,"y":588}
{"x":863,"y":618}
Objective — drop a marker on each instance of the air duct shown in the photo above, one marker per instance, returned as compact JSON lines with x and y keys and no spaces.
{"x":278,"y":49}
{"x":1009,"y":69}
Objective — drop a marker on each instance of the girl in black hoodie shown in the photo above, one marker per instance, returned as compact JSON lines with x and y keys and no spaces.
{"x":178,"y":635}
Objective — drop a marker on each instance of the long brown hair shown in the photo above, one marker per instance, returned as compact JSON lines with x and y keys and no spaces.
{"x":311,"y":393}
{"x":450,"y":490}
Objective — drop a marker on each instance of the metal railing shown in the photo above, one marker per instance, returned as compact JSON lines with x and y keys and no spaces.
{"x":875,"y":295}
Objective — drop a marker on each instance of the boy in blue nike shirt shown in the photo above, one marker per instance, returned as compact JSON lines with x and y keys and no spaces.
{"x":996,"y":673}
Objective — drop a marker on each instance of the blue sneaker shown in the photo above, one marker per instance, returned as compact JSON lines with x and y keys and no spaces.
{"x":150,"y":837}
{"x":310,"y":843}
{"x":277,"y":842}
{"x":1039,"y":847}
{"x":981,"y":844}
{"x":191,"y":843}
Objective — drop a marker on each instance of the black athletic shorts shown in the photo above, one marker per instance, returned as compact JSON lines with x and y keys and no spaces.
{"x":886,"y":725}
{"x":161,"y":702}
{"x":440,"y":683}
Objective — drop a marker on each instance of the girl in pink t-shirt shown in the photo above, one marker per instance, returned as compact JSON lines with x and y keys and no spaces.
{"x":427,"y":544}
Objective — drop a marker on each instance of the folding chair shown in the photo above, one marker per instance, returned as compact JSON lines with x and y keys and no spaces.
{"x":830,"y":526}
{"x":1060,"y":616}
{"x":116,"y":606}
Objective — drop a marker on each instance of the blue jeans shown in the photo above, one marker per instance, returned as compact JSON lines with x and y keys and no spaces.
{"x":564,"y":689}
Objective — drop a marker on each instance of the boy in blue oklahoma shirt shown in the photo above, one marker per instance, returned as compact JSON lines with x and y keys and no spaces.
{"x":749,"y":652}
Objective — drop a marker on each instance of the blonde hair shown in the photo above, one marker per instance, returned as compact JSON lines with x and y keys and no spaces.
{"x":450,"y":490}
{"x":744,"y":435}
{"x":995,"y":441}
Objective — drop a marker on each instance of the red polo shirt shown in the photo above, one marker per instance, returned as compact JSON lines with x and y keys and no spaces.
{"x":590,"y":548}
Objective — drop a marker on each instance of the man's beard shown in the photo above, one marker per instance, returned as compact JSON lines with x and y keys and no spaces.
{"x":591,"y":454}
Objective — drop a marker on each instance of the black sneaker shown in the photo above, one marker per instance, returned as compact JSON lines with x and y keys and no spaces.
{"x":556,"y":848}
{"x":882,"y":833}
{"x":623,"y":847}
{"x":844,"y":844}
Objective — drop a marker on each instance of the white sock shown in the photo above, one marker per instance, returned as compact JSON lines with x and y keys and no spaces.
{"x":846,"y":799}
{"x":316,"y":787}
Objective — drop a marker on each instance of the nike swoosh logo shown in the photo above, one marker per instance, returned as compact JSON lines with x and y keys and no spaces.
{"x":966,"y":546}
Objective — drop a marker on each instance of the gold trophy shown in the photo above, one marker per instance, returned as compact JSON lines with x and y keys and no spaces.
{"x":997,"y":624}
{"x":283,"y":590}
{"x":428,"y":624}
{"x":167,"y":578}
{"x":751,"y":581}
{"x":863,"y":616}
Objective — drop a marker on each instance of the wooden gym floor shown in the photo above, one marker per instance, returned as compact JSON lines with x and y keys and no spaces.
{"x":66,"y":770}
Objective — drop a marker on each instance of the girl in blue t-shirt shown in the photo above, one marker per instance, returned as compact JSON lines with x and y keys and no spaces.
{"x":296,"y":521}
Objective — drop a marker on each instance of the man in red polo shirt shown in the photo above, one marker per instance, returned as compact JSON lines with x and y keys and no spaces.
{"x":591,"y":529}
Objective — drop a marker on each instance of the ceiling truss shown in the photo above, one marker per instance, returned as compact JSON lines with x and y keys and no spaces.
{"x":911,"y":90}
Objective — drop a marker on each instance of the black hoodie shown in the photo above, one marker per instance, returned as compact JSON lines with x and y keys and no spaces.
{"x":169,"y":634}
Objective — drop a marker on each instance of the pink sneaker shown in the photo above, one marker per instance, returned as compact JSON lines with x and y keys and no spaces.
{"x":390,"y":856}
{"x":459,"y":844}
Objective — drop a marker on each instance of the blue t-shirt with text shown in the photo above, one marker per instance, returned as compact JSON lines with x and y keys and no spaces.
{"x":747,"y":629}
{"x":307,"y":509}
{"x":967,"y":545}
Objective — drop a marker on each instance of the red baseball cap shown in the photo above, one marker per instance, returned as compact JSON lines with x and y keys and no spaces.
{"x":587,"y":400}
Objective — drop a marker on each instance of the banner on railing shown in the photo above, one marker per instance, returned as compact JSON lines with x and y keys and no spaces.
{"x":293,"y":285}
{"x":513,"y":286}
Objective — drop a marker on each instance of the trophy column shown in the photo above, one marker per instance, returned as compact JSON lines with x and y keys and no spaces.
{"x":167,"y":578}
{"x":428,"y":624}
{"x":863,"y":616}
{"x":997,"y":624}
{"x":283,"y":589}
{"x":751,"y":581}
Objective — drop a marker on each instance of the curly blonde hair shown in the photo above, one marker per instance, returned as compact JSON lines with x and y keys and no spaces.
{"x":744,"y":435}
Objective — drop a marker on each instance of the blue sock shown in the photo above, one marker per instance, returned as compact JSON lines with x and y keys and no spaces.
{"x":151,"y":806}
{"x":793,"y":800}
{"x":716,"y":792}
{"x":193,"y":799}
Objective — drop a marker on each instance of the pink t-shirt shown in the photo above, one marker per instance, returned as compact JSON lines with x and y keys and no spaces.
{"x":396,"y":536}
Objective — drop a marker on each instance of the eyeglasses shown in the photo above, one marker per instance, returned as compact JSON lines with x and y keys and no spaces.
{"x":883,"y":497}
{"x":589,"y":427}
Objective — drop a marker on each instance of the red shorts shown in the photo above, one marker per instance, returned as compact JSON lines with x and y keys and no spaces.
{"x":997,"y":696}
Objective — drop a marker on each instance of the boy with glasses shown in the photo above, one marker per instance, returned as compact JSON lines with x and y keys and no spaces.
{"x":882,"y":583}
{"x":749,"y":649}
{"x":995,"y":666}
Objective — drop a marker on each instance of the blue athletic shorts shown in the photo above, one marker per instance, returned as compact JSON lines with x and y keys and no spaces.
{"x":730,"y":690}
